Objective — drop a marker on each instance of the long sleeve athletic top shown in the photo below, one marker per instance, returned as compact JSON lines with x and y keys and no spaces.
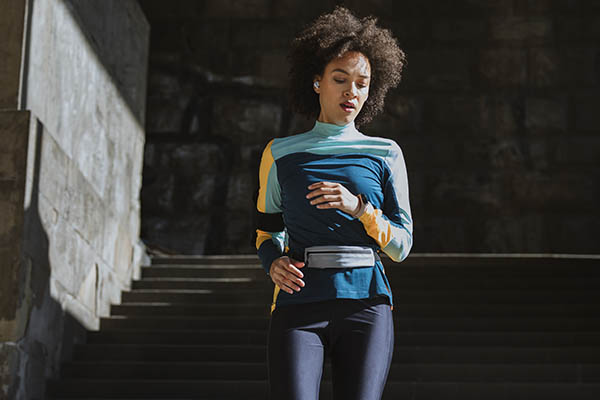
{"x":288,"y":223}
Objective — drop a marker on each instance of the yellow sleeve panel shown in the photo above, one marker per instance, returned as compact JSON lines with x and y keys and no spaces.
{"x":263,"y":177}
{"x":261,"y":236}
{"x":275,"y":293}
{"x":376,"y":225}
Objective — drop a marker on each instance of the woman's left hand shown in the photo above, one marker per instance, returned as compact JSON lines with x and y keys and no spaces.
{"x":333,"y":195}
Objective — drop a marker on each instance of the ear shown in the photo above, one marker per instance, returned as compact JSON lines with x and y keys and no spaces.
{"x":316,"y":78}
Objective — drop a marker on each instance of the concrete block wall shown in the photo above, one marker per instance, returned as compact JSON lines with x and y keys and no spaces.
{"x":73,"y":215}
{"x":496,"y":114}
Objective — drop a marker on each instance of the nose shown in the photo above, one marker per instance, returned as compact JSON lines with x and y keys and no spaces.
{"x":352,"y":90}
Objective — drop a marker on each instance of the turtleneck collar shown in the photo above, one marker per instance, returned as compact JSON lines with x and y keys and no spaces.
{"x":327,"y":129}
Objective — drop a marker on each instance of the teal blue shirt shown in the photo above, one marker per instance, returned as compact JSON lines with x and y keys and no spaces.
{"x":372,"y":166}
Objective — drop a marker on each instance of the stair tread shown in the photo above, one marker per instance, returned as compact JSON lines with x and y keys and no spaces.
{"x":258,"y":317}
{"x":401,"y":323}
{"x":500,"y":290}
{"x":250,"y":266}
{"x":400,"y":332}
{"x":396,"y":363}
{"x":396,"y":307}
{"x":262,"y":381}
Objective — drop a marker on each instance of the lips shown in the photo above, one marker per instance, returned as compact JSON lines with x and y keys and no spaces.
{"x":348,"y":107}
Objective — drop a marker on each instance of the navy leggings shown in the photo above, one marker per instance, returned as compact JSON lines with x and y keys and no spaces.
{"x":357,"y":334}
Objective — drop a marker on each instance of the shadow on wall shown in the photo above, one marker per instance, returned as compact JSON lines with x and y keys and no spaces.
{"x":103,"y":30}
{"x":46,"y":333}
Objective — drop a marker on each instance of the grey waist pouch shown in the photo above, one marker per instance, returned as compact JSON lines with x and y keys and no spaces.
{"x":339,"y":256}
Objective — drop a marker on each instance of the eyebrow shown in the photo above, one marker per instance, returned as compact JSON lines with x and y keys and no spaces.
{"x":341,"y":70}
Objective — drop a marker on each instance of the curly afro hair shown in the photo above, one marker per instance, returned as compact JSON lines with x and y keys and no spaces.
{"x":330,"y":36}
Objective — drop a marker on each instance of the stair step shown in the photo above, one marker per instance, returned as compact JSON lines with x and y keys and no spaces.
{"x":259,"y":337}
{"x":206,"y":260}
{"x":402,"y":353}
{"x":479,"y":324}
{"x":404,"y":310}
{"x":170,"y":352}
{"x":398,"y":371}
{"x":398,"y":283}
{"x":204,"y":271}
{"x":198,"y":296}
{"x":174,"y":309}
{"x":203,"y":283}
{"x":406,"y":296}
{"x":400,"y":271}
{"x":152,"y":388}
{"x":210,"y":389}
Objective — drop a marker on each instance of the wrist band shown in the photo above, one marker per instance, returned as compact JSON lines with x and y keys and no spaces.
{"x":363,"y":205}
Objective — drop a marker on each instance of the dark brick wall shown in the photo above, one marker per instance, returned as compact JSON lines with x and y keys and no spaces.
{"x":498,"y":116}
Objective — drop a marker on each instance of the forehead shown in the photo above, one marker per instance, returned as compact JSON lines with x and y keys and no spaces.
{"x":352,"y":62}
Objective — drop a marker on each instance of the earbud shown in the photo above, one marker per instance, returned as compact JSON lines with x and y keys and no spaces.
{"x":316,"y":84}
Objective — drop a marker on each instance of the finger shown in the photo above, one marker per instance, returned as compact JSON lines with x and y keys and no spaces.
{"x":277,"y":280}
{"x":316,"y":185}
{"x":297,"y":264}
{"x":293,"y":278}
{"x":289,"y":283}
{"x":293,"y":285}
{"x":279,"y":272}
{"x":292,"y":268}
{"x":288,"y":276}
{"x":335,"y":204}
{"x":326,"y":198}
{"x":283,"y":275}
{"x":322,"y":184}
{"x":283,"y":283}
{"x":288,"y":265}
{"x":314,"y":193}
{"x":323,"y":190}
{"x":283,"y":287}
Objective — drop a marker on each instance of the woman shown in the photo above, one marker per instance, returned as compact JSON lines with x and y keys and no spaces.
{"x":329,"y":200}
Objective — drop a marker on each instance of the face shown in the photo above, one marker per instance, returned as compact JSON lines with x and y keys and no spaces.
{"x":343,"y":88}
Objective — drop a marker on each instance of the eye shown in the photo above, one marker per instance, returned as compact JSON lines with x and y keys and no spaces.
{"x":339,"y":81}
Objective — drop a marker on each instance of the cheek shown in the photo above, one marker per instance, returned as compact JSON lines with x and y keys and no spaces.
{"x":364,"y":98}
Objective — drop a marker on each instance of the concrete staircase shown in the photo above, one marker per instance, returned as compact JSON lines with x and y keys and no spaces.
{"x":486,"y":327}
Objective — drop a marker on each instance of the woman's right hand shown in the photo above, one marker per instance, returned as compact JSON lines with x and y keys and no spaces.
{"x":284,"y":273}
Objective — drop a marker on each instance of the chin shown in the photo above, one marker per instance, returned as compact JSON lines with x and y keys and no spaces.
{"x":344,"y":118}
{"x":348,"y":119}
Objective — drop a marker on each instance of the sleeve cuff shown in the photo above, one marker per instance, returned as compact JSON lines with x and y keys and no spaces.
{"x":268,"y":253}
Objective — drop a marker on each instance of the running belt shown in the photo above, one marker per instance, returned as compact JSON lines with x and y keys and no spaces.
{"x":340,"y":256}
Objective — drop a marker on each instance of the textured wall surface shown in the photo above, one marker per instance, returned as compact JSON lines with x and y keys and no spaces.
{"x":82,"y":137}
{"x":496,"y":114}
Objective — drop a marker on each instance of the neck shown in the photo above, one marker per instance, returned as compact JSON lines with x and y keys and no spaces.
{"x":330,"y":129}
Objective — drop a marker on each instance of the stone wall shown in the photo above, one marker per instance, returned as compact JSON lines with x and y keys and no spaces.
{"x":72,"y":150}
{"x":497,"y":117}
